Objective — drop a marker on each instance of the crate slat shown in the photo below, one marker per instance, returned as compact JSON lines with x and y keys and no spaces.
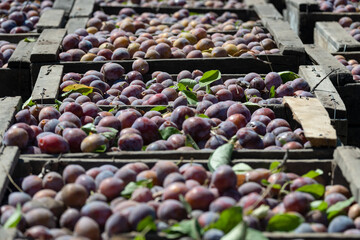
{"x":8,"y":108}
{"x":52,"y":18}
{"x":65,"y":5}
{"x":75,"y":23}
{"x":267,"y":11}
{"x":82,"y":8}
{"x":21,"y":56}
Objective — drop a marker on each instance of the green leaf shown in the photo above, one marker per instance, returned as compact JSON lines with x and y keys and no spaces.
{"x":189,"y":228}
{"x":57,"y":104}
{"x":272,"y":92}
{"x":148,"y":223}
{"x":89,"y":128}
{"x":209,"y":77}
{"x":64,"y":95}
{"x":80,"y":88}
{"x":274,"y":165}
{"x":228,"y":219}
{"x":185,"y":203}
{"x":190,"y":96}
{"x":14,"y":219}
{"x":110,"y":135}
{"x":159,"y":108}
{"x":101,"y":149}
{"x":284,"y":222}
{"x":132,"y":186}
{"x":261,"y":212}
{"x":252,"y":234}
{"x":139,"y":236}
{"x":267,"y":183}
{"x":30,"y":40}
{"x":241,"y":168}
{"x":319,"y":205}
{"x":181,"y":87}
{"x":187,"y":82}
{"x":167,"y":132}
{"x":313,"y":174}
{"x":288,"y":76}
{"x":251,"y":104}
{"x":338,"y":207}
{"x":189,"y":142}
{"x":221,"y":156}
{"x":201,"y":115}
{"x":237,"y":233}
{"x":28,"y":103}
{"x":317,"y":190}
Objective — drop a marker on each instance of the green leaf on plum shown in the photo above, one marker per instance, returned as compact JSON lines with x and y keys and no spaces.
{"x":338,"y":207}
{"x":147,"y":223}
{"x":190,"y":83}
{"x":319,"y":205}
{"x":57,"y":104}
{"x":189,"y":228}
{"x":261,"y":212}
{"x":272,"y":92}
{"x":185,"y":203}
{"x":284,"y":222}
{"x":80,"y":88}
{"x":132,"y":186}
{"x":313,"y":174}
{"x":189,"y":142}
{"x":30,"y":40}
{"x":228,"y":219}
{"x":167,"y":132}
{"x":242,"y":232}
{"x":251,"y":104}
{"x":201,"y":115}
{"x":273,"y":167}
{"x":221,"y":156}
{"x":101,"y":149}
{"x":316,"y":190}
{"x":241,"y":168}
{"x":159,"y":108}
{"x":267,"y":183}
{"x":65,"y":94}
{"x":181,"y":87}
{"x":89,"y":128}
{"x":288,"y":76}
{"x":28,"y":103}
{"x":110,"y":135}
{"x":190,"y":96}
{"x":209,"y":77}
{"x":14,"y":219}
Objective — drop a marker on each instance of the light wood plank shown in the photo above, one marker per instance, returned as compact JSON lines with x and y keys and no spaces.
{"x":8,"y":108}
{"x":53,"y":18}
{"x":82,"y":8}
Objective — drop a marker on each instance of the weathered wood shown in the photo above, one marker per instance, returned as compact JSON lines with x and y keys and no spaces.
{"x":333,"y":37}
{"x":348,"y":159}
{"x":338,"y":73}
{"x":82,"y":8}
{"x":15,"y":38}
{"x":47,"y":46}
{"x":314,"y":119}
{"x":304,"y":5}
{"x":75,"y":23}
{"x":8,"y":160}
{"x":47,"y":85}
{"x":21,"y":56}
{"x":52,"y":18}
{"x":325,"y":92}
{"x":252,"y":3}
{"x":8,"y":108}
{"x":288,"y":42}
{"x":267,"y":11}
{"x":65,"y":5}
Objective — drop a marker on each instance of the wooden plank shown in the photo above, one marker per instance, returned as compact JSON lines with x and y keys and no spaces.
{"x":326,"y":93}
{"x":314,"y":119}
{"x":47,"y":85}
{"x":304,"y":5}
{"x":348,"y":159}
{"x":82,"y":8}
{"x":288,"y":42}
{"x":333,"y":37}
{"x":65,"y":5}
{"x":47,"y":46}
{"x":75,"y":23}
{"x":8,"y":160}
{"x":52,"y":18}
{"x":253,"y":3}
{"x":21,"y":56}
{"x":8,"y":108}
{"x":267,"y":11}
{"x":15,"y":38}
{"x":329,"y":64}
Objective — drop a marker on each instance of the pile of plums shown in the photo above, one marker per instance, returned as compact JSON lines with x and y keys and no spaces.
{"x":352,"y":65}
{"x":159,"y":36}
{"x":338,"y":6}
{"x":92,"y":203}
{"x":112,"y":87}
{"x":231,"y":4}
{"x":6,"y":50}
{"x":353,"y":28}
{"x":21,"y":16}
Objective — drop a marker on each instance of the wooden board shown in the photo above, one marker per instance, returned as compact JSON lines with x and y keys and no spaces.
{"x":65,"y":5}
{"x":52,"y":18}
{"x":47,"y":85}
{"x":47,"y":46}
{"x":8,"y":108}
{"x":333,"y":37}
{"x":21,"y":56}
{"x":82,"y":8}
{"x":348,"y":159}
{"x":304,"y":5}
{"x":322,"y":57}
{"x":15,"y":38}
{"x":314,"y":119}
{"x":252,"y":3}
{"x":8,"y":161}
{"x":267,"y":11}
{"x":75,"y":23}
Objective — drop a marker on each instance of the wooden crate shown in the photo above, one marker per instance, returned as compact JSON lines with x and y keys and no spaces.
{"x":303,"y":14}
